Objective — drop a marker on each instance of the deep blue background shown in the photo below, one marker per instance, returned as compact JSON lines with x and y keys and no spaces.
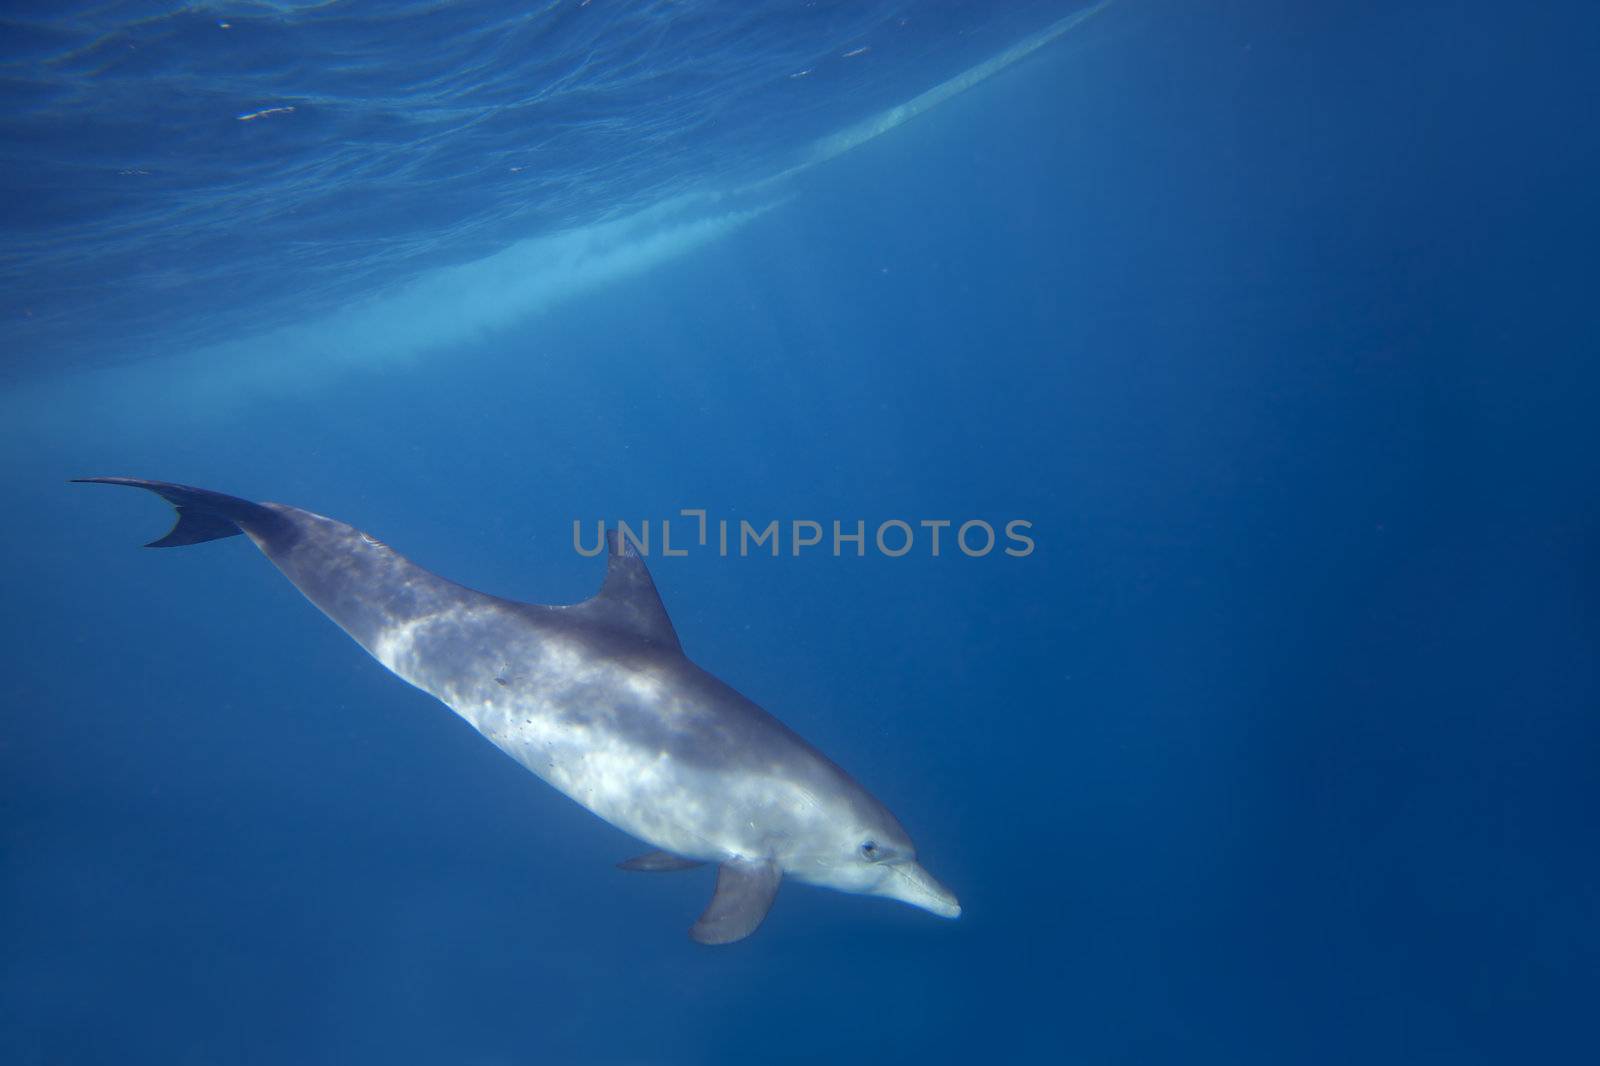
{"x":1275,"y":320}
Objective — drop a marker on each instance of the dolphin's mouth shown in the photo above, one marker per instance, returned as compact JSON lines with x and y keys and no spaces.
{"x":910,"y":883}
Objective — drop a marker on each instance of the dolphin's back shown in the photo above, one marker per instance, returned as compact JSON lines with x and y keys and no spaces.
{"x":370,"y":590}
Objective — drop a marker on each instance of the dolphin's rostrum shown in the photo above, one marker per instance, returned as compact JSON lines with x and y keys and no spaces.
{"x":599,"y":700}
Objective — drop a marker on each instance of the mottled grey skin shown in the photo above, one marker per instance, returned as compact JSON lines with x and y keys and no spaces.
{"x":599,"y":700}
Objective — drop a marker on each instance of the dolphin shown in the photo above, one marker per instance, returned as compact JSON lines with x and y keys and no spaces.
{"x":598,"y":699}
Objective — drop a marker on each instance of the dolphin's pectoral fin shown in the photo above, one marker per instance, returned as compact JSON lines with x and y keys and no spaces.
{"x":659,"y":861}
{"x":745,"y":891}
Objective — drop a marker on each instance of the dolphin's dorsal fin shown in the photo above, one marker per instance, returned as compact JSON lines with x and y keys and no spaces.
{"x":628,"y":600}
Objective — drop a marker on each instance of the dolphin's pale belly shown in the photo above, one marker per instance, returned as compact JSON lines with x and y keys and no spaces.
{"x":617,"y":738}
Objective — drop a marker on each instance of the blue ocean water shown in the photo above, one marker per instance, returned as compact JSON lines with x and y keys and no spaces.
{"x":1274,"y":321}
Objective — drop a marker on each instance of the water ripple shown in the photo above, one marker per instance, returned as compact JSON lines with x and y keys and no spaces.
{"x":175,"y":173}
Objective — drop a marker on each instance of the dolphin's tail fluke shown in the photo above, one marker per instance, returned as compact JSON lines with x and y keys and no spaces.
{"x":202,"y":515}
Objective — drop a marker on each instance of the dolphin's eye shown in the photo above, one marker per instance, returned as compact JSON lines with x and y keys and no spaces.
{"x":870,"y":851}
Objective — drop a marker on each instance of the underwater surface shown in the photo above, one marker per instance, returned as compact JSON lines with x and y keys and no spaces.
{"x":1274,"y":321}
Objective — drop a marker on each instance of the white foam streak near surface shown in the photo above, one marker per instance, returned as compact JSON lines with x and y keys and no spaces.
{"x":435,"y":311}
{"x":460,"y":303}
{"x":882,"y":123}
